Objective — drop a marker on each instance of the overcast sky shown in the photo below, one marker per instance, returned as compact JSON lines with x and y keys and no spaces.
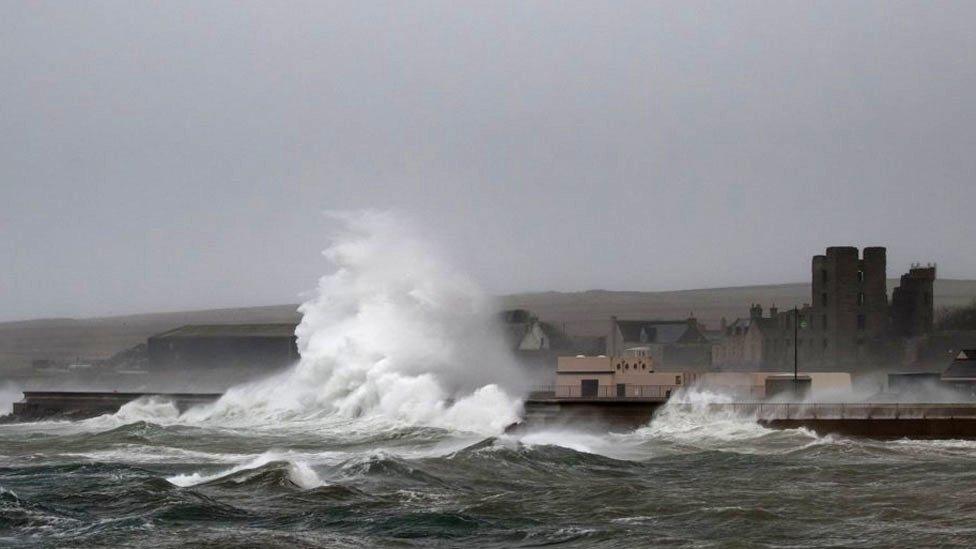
{"x":173,"y":155}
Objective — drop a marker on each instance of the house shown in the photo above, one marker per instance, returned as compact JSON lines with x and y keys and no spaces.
{"x":525,"y":333}
{"x":752,"y":344}
{"x":673,"y":344}
{"x":961,"y":374}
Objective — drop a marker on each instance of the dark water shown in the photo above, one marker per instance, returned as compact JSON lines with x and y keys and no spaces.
{"x":694,"y":481}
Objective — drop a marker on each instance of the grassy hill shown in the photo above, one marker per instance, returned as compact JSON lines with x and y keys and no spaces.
{"x":587,"y":313}
{"x":584,"y":313}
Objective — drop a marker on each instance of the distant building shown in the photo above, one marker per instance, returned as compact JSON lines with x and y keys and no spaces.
{"x":961,"y":374}
{"x":673,"y":344}
{"x":635,"y":377}
{"x":912,"y":309}
{"x":753,"y":344}
{"x":536,"y":344}
{"x":849,"y":308}
{"x":848,"y":324}
{"x":524,"y":332}
{"x":630,"y":376}
{"x":245,"y":347}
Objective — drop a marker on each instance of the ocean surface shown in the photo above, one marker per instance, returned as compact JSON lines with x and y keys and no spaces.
{"x":389,"y":432}
{"x":147,"y":477}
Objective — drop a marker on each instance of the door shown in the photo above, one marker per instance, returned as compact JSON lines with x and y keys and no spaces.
{"x":589,"y":387}
{"x":621,"y":390}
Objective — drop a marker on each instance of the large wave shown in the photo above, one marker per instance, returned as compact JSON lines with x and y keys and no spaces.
{"x":396,"y":333}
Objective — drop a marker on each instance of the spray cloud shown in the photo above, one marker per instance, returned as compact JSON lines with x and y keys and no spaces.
{"x":395,"y":332}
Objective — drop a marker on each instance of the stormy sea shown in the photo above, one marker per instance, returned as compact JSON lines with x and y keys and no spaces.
{"x":141,"y":479}
{"x":390,"y":432}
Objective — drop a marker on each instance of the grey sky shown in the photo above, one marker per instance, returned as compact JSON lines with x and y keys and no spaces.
{"x":178,"y":154}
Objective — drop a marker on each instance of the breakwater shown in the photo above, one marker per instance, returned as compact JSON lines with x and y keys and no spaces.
{"x":85,"y":404}
{"x":873,"y":420}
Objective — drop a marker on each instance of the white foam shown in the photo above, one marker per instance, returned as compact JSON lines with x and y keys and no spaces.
{"x":299,"y":472}
{"x":394,"y":333}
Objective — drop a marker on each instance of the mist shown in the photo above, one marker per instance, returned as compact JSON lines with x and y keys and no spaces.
{"x":9,"y":393}
{"x":161,"y":157}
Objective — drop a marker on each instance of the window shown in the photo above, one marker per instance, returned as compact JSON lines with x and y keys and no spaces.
{"x":618,"y":367}
{"x":860,"y":298}
{"x":824,"y":322}
{"x":823,"y":276}
{"x":677,"y":380}
{"x":861,"y":322}
{"x":860,"y":276}
{"x":823,"y":299}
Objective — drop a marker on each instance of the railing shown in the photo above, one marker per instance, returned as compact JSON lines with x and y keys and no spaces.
{"x":605,"y":392}
{"x":845,"y":410}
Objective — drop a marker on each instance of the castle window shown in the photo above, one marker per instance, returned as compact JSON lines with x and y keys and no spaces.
{"x":861,"y":322}
{"x":860,"y":276}
{"x":860,"y":298}
{"x":823,"y":299}
{"x":823,"y":276}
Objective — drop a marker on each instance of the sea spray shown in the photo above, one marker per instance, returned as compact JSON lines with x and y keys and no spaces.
{"x":394,"y":332}
{"x":9,"y":393}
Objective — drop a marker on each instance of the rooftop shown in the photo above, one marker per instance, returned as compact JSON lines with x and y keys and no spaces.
{"x":963,"y":367}
{"x":231,"y":330}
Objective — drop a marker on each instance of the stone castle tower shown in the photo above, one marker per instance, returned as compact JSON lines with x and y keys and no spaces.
{"x":912,"y":310}
{"x":849,"y":311}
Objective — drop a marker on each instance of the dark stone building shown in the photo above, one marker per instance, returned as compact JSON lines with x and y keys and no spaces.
{"x":248,"y":348}
{"x":848,"y":325}
{"x":849,"y":308}
{"x":911,"y":302}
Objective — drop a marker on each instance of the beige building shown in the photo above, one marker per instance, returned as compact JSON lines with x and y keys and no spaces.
{"x":757,"y":385}
{"x":630,"y":376}
{"x":633,"y":376}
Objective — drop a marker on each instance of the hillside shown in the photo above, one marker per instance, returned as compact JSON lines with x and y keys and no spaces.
{"x":584,"y":313}
{"x":587,"y":313}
